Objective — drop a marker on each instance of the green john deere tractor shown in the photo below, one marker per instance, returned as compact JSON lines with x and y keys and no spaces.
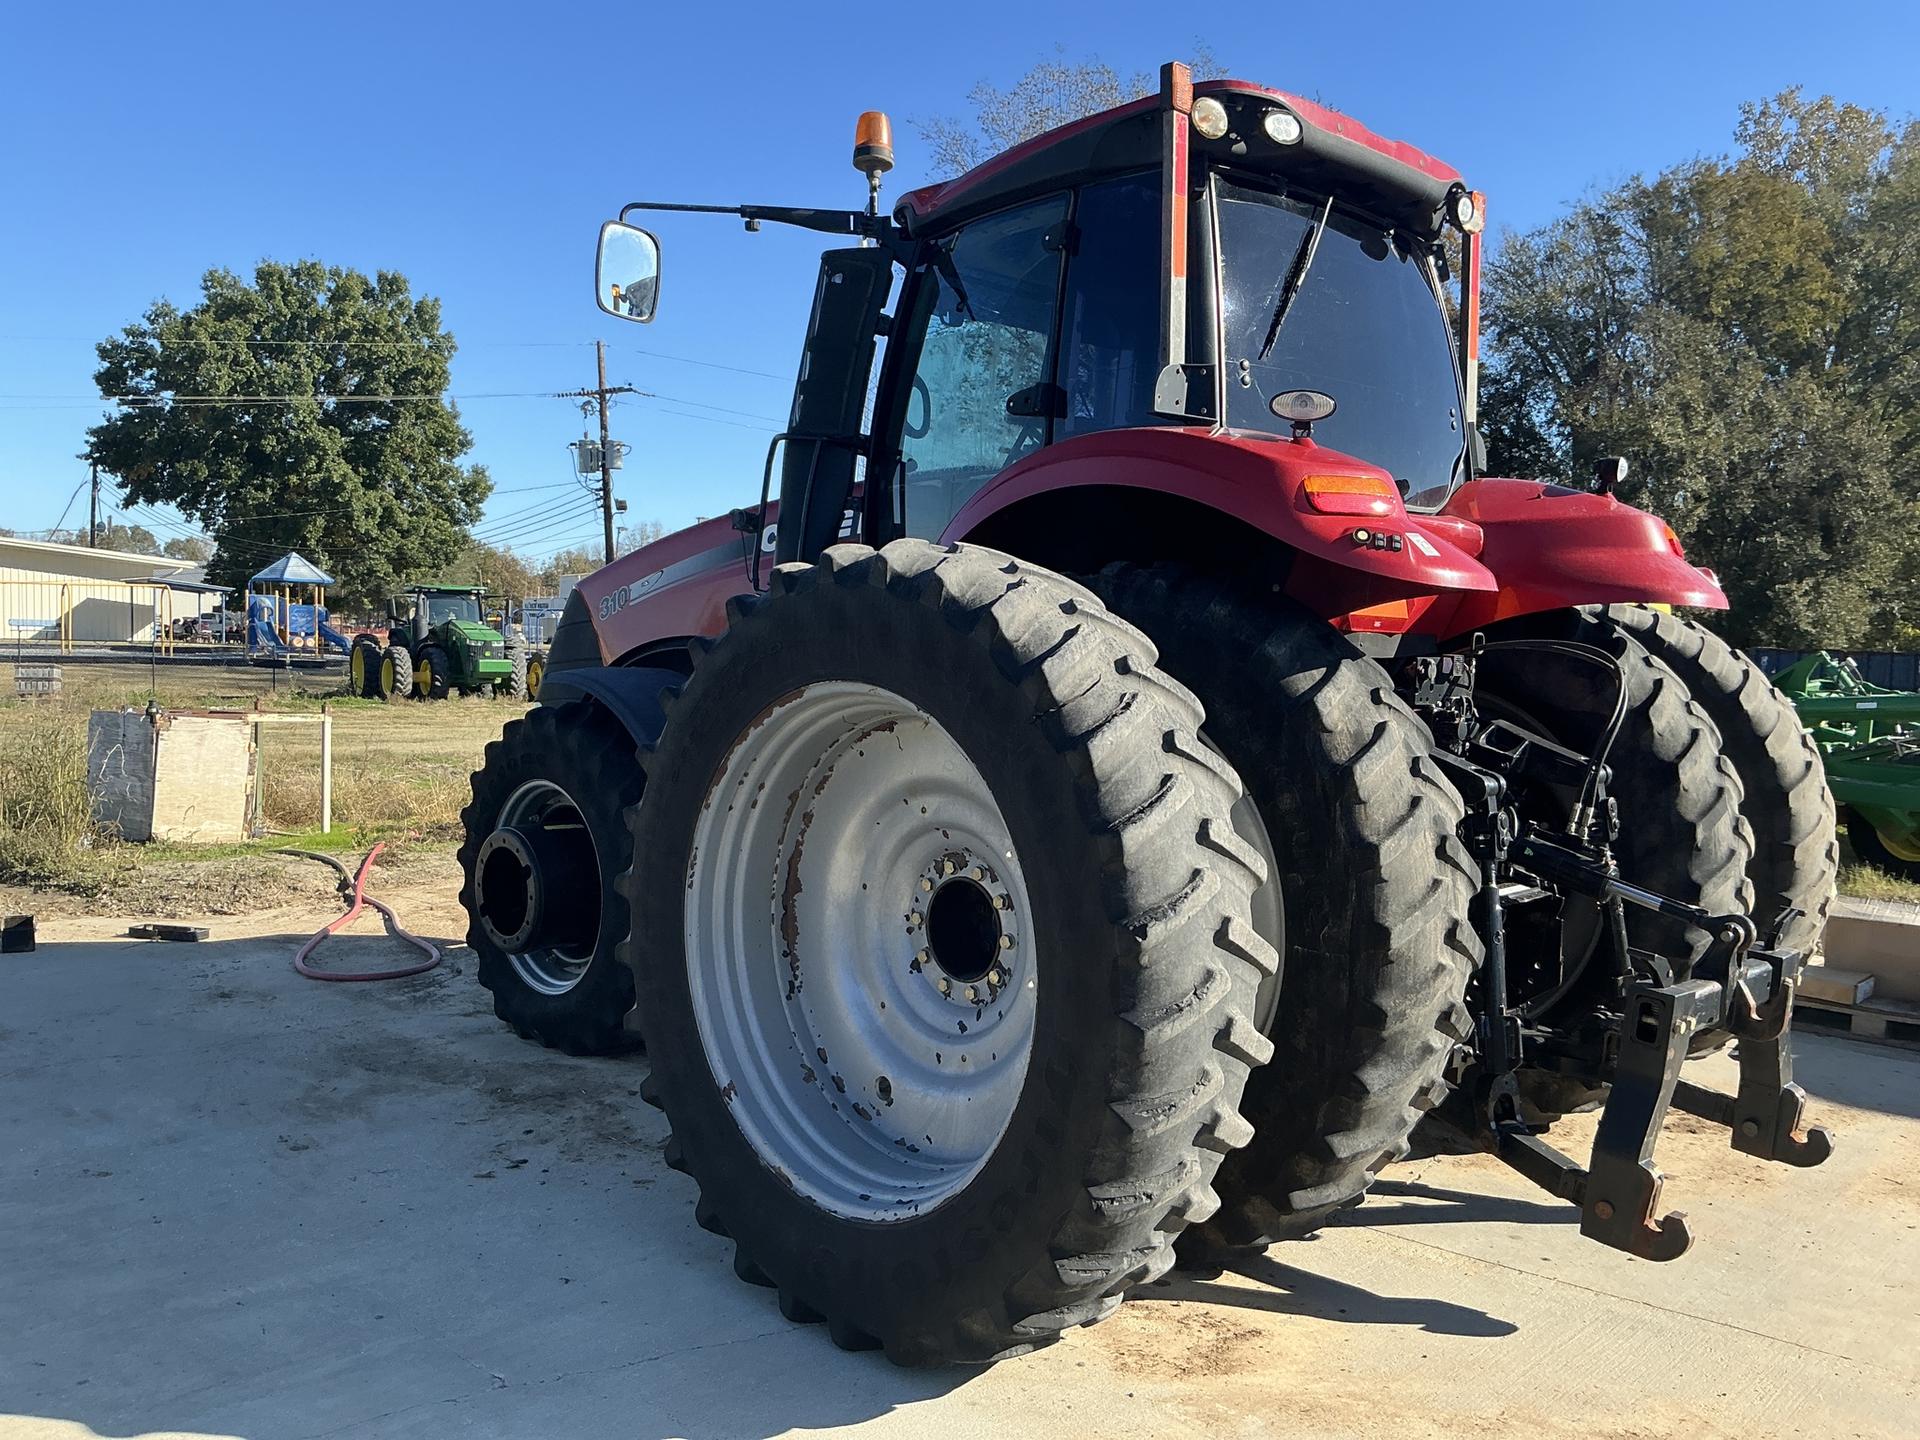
{"x":437,"y":644}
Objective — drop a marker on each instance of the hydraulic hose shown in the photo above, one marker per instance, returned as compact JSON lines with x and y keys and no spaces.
{"x":353,"y":888}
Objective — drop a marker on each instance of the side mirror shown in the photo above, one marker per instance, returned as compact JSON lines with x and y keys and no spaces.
{"x":393,"y":609}
{"x":626,"y":273}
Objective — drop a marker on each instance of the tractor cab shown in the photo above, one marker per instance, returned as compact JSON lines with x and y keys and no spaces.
{"x":1196,"y":261}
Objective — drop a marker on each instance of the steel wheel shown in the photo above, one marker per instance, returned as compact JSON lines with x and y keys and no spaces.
{"x":889,"y":973}
{"x":542,"y":804}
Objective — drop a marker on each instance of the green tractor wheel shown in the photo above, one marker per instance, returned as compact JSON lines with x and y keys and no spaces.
{"x":514,"y":686}
{"x":432,"y":673}
{"x":536,"y":670}
{"x":394,"y":679}
{"x":1886,"y":850}
{"x":363,"y":668}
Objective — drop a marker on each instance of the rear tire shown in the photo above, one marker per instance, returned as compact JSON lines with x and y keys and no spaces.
{"x":536,"y":672}
{"x":1681,"y":830}
{"x":514,"y":687}
{"x":573,"y":1002}
{"x":363,"y":668}
{"x":1786,"y":802}
{"x":1376,"y":888}
{"x":1052,"y":768}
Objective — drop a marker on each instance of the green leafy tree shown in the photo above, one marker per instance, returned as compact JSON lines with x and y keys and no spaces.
{"x":1745,"y":331}
{"x":497,"y":567}
{"x":575,"y":560}
{"x":303,"y":410}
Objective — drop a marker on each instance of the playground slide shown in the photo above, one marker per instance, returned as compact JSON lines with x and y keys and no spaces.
{"x":333,"y":637}
{"x":260,"y":638}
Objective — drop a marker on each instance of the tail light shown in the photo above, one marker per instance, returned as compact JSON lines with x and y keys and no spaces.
{"x":1351,"y":494}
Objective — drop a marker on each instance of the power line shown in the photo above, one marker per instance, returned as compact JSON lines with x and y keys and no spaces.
{"x":706,"y":364}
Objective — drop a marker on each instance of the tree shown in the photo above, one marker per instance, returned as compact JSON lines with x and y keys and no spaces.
{"x":576,"y":560}
{"x":629,"y":538}
{"x":127,"y":539}
{"x":301,"y":411}
{"x":1052,"y":93}
{"x":495,"y":566}
{"x":1744,"y":330}
{"x":189,"y":548}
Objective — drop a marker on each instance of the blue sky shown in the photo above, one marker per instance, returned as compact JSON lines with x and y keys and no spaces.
{"x":475,"y":147}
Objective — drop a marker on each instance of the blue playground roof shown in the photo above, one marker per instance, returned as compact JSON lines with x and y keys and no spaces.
{"x":293,"y":569}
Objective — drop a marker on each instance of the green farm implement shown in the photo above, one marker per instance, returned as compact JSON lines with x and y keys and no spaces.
{"x":1870,"y":740}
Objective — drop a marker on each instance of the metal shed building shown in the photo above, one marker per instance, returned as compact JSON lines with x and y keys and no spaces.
{"x":108,"y":596}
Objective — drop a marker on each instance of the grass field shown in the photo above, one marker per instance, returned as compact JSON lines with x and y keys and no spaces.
{"x":399,"y":775}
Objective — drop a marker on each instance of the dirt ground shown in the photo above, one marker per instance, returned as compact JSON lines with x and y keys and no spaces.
{"x":236,"y":1202}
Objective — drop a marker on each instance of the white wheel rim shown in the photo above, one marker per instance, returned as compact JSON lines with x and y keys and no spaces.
{"x":859,"y":952}
{"x":547,"y":969}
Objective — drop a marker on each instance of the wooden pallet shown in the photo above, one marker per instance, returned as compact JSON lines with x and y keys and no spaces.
{"x":1884,"y":1022}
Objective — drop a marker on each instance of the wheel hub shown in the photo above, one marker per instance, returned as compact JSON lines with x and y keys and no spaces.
{"x":537,"y":887}
{"x":856,"y":956}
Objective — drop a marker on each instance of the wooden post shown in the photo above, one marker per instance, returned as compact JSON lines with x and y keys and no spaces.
{"x":326,"y":762}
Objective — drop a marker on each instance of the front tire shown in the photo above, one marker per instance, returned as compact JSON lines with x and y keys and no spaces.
{"x":571,"y":771}
{"x":952,"y":1137}
{"x":396,"y":674}
{"x":432,"y":674}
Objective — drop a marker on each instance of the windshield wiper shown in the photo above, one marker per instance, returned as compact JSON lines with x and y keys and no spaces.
{"x":1296,"y":277}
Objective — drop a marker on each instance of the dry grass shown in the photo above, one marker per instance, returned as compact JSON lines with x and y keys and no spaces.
{"x":399,"y":774}
{"x":45,"y":829}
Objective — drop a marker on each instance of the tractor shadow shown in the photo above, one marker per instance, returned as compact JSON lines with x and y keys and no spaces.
{"x":1289,"y":1290}
{"x":1438,"y":1205}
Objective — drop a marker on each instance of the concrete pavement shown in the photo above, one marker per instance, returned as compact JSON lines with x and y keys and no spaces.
{"x":235,"y":1202}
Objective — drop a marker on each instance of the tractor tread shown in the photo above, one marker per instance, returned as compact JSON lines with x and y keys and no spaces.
{"x":1180,"y":1032}
{"x":1378,"y":949}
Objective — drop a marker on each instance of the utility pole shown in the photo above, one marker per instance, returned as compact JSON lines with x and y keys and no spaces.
{"x":599,"y":395}
{"x":93,"y":507}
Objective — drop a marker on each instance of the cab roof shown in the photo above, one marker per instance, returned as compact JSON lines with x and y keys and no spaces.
{"x":1335,"y":154}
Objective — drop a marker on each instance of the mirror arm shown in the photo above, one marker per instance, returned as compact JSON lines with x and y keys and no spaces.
{"x":831,"y":222}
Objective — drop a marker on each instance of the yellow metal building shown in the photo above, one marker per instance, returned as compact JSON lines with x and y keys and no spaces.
{"x":95,"y":596}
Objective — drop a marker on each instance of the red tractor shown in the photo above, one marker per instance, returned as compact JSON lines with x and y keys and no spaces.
{"x":1139,"y":768}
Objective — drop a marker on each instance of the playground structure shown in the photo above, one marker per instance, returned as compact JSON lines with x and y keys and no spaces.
{"x":287,"y":614}
{"x":1869,"y":739}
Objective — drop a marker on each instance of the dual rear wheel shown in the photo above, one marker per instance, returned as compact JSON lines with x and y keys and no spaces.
{"x":956,"y":943}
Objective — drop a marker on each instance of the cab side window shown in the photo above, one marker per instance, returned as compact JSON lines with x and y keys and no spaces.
{"x":982,"y":394}
{"x":1110,"y":331}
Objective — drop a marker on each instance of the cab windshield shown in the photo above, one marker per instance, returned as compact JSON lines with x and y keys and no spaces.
{"x":1362,"y":324}
{"x":442,"y":608}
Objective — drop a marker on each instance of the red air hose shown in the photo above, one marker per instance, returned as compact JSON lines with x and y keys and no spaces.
{"x":355,"y":890}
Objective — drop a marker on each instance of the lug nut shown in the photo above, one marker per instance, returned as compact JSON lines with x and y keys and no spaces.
{"x":1006,"y":942}
{"x":923,"y":956}
{"x":916,"y":920}
{"x":947,"y":867}
{"x":945,"y":985}
{"x":926,"y":884}
{"x":1003,"y":902}
{"x":977,"y":873}
{"x":972,"y":994}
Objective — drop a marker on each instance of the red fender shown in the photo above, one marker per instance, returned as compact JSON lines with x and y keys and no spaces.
{"x":1260,"y":480}
{"x":1552,"y":547}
